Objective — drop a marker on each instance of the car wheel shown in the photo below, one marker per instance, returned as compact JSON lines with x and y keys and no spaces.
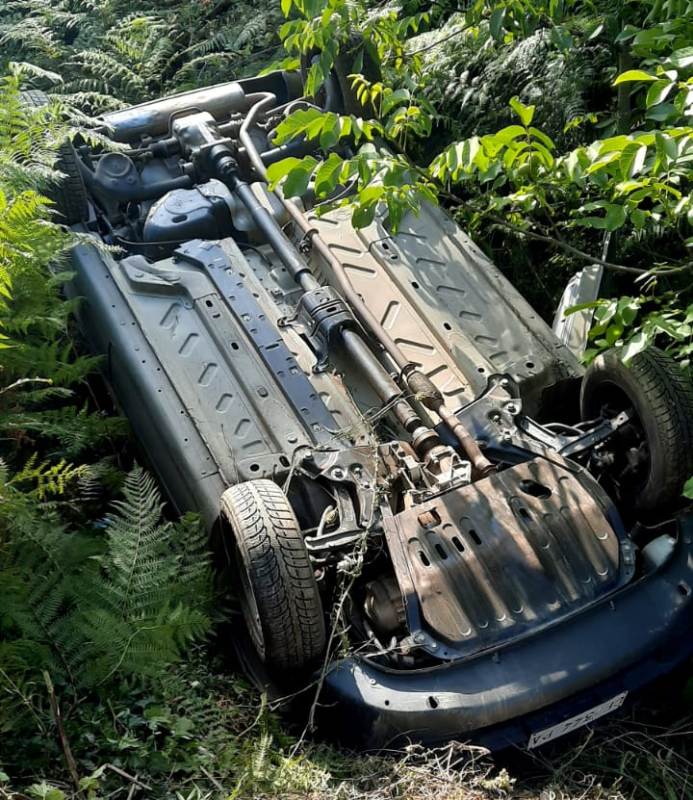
{"x":69,"y":194}
{"x":278,"y":591}
{"x":654,"y":456}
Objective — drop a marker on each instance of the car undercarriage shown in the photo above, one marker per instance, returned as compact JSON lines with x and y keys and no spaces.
{"x":384,"y":412}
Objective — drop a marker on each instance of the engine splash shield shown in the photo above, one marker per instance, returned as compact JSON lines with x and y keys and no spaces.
{"x":506,"y":555}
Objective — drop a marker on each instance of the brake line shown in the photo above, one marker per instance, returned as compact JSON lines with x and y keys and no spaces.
{"x":415,"y":380}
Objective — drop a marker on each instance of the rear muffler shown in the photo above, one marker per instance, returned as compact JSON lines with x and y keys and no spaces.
{"x":152,"y":119}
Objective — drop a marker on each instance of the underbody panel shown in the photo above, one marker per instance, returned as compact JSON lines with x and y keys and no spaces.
{"x":506,"y":555}
{"x":502,"y":696}
{"x":448,"y":307}
{"x":202,"y":369}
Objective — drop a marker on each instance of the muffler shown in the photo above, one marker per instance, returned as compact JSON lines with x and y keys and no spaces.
{"x":153,"y":118}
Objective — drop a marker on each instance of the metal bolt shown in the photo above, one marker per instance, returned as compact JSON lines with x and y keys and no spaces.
{"x":511,"y":408}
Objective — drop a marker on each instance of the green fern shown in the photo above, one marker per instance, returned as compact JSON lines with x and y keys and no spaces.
{"x":88,"y":608}
{"x":74,"y":430}
{"x":95,"y":54}
{"x":149,"y":599}
{"x":45,"y":478}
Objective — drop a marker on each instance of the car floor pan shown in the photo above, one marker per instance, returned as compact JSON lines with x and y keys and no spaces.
{"x":508,"y":554}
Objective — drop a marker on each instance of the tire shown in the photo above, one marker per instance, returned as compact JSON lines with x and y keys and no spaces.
{"x":661,"y":395}
{"x":69,"y":194}
{"x":279,"y":595}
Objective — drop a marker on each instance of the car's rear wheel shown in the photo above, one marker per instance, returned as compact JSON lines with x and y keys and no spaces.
{"x":652,"y":456}
{"x":69,"y":193}
{"x":279,"y":594}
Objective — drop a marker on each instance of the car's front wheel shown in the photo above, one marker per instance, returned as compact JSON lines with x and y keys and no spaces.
{"x":279,"y":594}
{"x":652,"y":456}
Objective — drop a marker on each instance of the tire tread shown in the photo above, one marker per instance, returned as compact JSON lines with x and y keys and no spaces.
{"x":280,"y":572}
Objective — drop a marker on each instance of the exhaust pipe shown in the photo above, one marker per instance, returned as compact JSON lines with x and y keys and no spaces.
{"x":414,"y":380}
{"x":152,"y":118}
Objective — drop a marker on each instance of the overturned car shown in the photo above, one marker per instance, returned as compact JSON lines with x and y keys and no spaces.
{"x":382,"y":421}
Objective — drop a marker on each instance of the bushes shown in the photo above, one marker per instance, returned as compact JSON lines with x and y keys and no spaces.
{"x":83,"y":603}
{"x":100,"y":53}
{"x":621,"y":197}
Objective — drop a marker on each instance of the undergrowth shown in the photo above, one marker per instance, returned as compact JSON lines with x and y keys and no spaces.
{"x":111,"y":684}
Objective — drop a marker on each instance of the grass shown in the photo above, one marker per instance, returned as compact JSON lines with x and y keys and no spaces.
{"x":204,"y":734}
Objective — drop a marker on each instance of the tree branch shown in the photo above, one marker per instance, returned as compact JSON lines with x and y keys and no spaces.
{"x":568,"y":248}
{"x":437,"y":42}
{"x":65,"y":745}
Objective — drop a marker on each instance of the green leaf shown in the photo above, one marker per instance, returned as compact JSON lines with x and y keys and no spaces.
{"x":638,"y":218}
{"x":495,"y":22}
{"x":658,"y":92}
{"x":681,"y":59}
{"x":290,"y":64}
{"x":362,"y":216}
{"x":634,"y":346}
{"x":314,"y":79}
{"x":296,"y":182}
{"x":327,"y":175}
{"x":606,"y":311}
{"x":286,"y":7}
{"x":615,"y":217}
{"x":582,"y":307}
{"x":688,"y":488}
{"x":634,"y":75}
{"x":547,"y":141}
{"x":280,"y":169}
{"x":296,"y":124}
{"x":44,"y":791}
{"x":661,"y":112}
{"x":632,"y":160}
{"x":596,"y":32}
{"x":509,"y":133}
{"x":330,"y":132}
{"x":394,"y":99}
{"x":525,"y":113}
{"x":628,"y":309}
{"x":613,"y":333}
{"x":371,"y":194}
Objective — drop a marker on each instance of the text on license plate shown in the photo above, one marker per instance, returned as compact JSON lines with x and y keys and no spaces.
{"x":573,"y":723}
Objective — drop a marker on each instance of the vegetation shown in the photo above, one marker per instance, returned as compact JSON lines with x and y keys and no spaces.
{"x":560,"y":137}
{"x":621,"y":198}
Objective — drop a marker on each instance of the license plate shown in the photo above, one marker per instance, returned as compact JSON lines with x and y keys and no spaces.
{"x":573,"y":723}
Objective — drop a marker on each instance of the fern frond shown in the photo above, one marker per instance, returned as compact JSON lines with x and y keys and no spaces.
{"x":46,"y":478}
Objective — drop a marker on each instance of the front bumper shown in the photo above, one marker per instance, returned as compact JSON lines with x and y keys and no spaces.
{"x":501,"y":697}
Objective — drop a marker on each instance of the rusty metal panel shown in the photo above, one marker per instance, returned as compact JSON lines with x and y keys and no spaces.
{"x":448,"y":307}
{"x":506,"y":554}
